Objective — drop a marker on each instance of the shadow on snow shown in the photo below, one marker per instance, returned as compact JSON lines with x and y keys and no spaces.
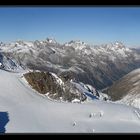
{"x":91,"y":96}
{"x":4,"y":119}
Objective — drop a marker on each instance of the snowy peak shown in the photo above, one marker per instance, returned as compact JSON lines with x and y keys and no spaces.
{"x":115,"y":46}
{"x":51,"y":40}
{"x":1,"y":43}
{"x":118,"y":45}
{"x":75,"y":43}
{"x":78,"y":42}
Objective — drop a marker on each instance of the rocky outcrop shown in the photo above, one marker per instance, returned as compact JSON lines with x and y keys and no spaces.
{"x":51,"y":85}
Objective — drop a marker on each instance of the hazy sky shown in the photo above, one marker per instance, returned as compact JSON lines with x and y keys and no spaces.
{"x":94,"y":25}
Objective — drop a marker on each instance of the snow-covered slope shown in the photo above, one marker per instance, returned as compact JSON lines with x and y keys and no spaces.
{"x":7,"y":63}
{"x":28,"y":111}
{"x":98,"y":66}
{"x":127,"y":89}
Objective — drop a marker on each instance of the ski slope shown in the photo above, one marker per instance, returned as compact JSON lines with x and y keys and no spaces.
{"x":29,"y":112}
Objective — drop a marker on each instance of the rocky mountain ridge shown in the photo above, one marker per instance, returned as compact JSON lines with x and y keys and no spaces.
{"x":96,"y":65}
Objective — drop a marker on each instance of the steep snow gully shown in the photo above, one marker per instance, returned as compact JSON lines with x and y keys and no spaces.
{"x":25,"y":111}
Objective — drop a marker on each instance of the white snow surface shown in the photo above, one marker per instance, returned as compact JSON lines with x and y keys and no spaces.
{"x":133,"y":100}
{"x":59,"y":81}
{"x":31,"y":112}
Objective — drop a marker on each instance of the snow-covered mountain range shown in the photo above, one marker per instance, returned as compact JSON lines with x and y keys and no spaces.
{"x":98,"y":66}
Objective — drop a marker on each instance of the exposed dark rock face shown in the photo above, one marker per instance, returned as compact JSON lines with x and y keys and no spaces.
{"x":46,"y":83}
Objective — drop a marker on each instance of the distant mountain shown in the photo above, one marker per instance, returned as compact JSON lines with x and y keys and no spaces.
{"x":95,"y":65}
{"x":127,"y":89}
